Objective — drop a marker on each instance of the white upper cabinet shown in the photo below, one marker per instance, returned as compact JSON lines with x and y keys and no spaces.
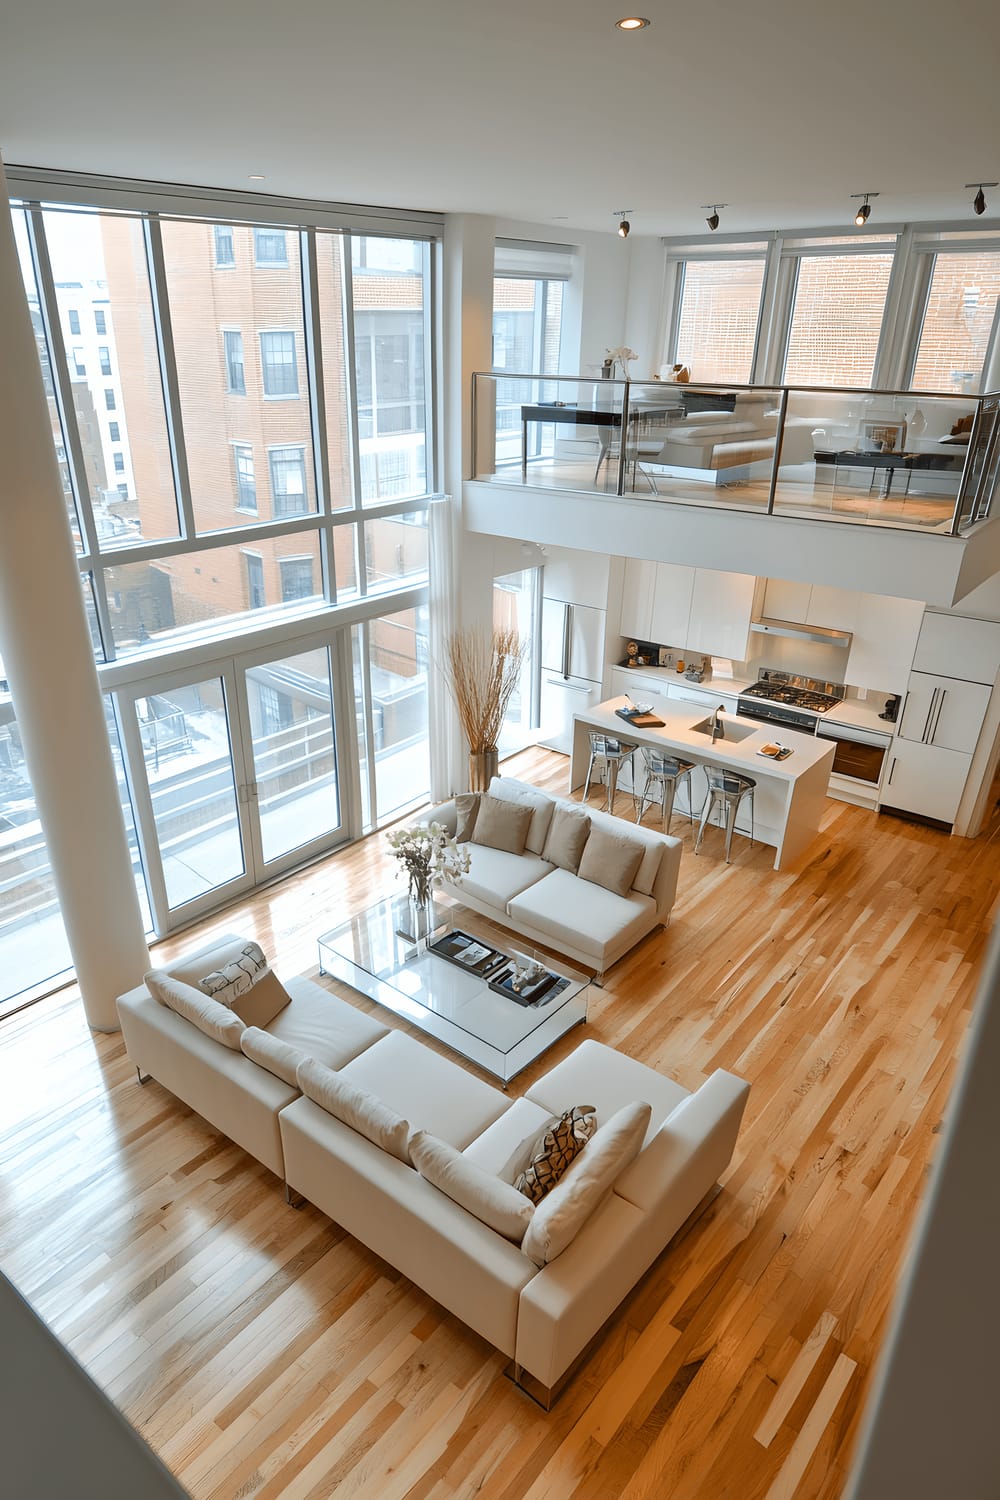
{"x":834,"y":609}
{"x":637,"y":599}
{"x":721,"y":610}
{"x":672,"y":604}
{"x":884,"y":638}
{"x":698,"y":609}
{"x":956,"y":646}
{"x":785,"y":600}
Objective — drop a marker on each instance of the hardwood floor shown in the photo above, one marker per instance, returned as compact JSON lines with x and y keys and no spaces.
{"x":263,"y":1352}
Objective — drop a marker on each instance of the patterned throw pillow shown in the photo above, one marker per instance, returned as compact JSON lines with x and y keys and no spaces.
{"x":236,"y":978}
{"x":561,"y":1142}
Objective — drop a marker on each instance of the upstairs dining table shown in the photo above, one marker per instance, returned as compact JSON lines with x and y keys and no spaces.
{"x":594,"y":415}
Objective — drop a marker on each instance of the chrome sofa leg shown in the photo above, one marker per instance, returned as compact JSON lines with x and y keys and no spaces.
{"x":142,"y":1077}
{"x":292,"y":1198}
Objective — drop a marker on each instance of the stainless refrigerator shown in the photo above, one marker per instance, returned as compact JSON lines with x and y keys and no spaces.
{"x":572,"y":666}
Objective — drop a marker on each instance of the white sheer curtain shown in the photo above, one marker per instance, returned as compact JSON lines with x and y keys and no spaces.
{"x":448,"y":756}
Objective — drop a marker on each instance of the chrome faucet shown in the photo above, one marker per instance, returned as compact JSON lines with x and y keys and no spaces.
{"x":718,"y":728}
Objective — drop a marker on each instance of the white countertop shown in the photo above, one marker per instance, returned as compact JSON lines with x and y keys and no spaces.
{"x":666,"y":676}
{"x":862,"y":715}
{"x":678,"y":734}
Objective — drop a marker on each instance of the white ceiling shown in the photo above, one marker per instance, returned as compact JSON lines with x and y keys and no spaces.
{"x":528,"y":109}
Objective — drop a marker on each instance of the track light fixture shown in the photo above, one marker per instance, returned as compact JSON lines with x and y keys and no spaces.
{"x":713,"y":219}
{"x":624,"y":226}
{"x":861,"y":217}
{"x":979,"y":201}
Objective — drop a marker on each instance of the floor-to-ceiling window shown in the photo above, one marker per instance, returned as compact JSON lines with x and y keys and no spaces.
{"x":528,"y":294}
{"x":243,"y":418}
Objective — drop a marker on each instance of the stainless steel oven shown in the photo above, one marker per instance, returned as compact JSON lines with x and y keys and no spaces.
{"x":859,"y":754}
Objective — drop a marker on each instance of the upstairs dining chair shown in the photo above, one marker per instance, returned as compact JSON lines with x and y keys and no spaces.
{"x":607,"y":755}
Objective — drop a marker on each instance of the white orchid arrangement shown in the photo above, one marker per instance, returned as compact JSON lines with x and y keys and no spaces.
{"x":429,"y":856}
{"x":621,"y":356}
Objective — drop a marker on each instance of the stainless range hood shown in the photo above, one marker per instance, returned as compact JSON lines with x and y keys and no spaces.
{"x":818,"y":633}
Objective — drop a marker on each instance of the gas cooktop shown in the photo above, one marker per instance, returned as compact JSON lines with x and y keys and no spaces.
{"x":798,"y":692}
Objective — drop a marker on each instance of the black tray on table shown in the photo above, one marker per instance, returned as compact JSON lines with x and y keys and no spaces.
{"x":539,"y":992}
{"x":456,"y":943}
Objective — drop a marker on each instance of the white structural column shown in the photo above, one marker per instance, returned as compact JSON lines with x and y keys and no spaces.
{"x":466,"y":342}
{"x":48,"y":660}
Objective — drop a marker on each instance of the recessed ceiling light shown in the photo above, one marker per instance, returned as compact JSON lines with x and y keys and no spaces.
{"x":256,"y":177}
{"x":632,"y":23}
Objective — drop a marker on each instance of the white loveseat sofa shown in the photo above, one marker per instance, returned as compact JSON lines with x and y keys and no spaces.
{"x":540,"y":1308}
{"x":724,"y":441}
{"x":554,"y":905}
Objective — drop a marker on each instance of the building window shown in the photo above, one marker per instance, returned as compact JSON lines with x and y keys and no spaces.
{"x":836,"y":319}
{"x":74,"y":320}
{"x":278,"y":364}
{"x":100,"y":320}
{"x":114,"y":432}
{"x":104,"y":355}
{"x":246,"y":483}
{"x":79,"y":366}
{"x":119,"y":459}
{"x":957,"y":324}
{"x":255,"y":580}
{"x":236,"y":380}
{"x":288,"y":481}
{"x":225,"y":253}
{"x":269,"y":248}
{"x":109,"y":400}
{"x":718,"y":313}
{"x":123,"y":491}
{"x":296,"y":578}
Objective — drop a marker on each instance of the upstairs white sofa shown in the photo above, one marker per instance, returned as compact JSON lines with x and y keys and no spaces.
{"x":721,"y":441}
{"x":536,"y":1282}
{"x":553,"y":895}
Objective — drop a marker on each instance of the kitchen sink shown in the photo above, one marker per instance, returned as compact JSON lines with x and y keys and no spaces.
{"x":731,"y":731}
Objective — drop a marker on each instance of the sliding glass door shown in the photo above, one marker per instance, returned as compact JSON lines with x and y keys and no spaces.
{"x":239,"y":775}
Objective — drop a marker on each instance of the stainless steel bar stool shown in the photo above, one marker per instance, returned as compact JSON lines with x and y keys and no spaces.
{"x":607,"y":755}
{"x":664,"y":771}
{"x":727,"y":789}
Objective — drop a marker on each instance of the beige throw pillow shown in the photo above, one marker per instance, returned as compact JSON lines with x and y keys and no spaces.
{"x":278,"y":1057}
{"x":559,"y":1143}
{"x":611,"y":860}
{"x":355,"y":1107}
{"x":493,"y":1202}
{"x":560,"y":1216}
{"x":215,"y":1020}
{"x":522,"y":794}
{"x":568,"y":833}
{"x":501,"y":825}
{"x":466,"y":810}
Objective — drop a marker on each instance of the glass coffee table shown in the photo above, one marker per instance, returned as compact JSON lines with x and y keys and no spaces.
{"x":469,"y":983}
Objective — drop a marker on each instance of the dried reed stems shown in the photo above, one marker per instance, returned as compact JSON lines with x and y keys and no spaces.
{"x":481,"y":669}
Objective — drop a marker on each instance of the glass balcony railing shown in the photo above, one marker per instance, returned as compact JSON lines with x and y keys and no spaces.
{"x":906,"y":459}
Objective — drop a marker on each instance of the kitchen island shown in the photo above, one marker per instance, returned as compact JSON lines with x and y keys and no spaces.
{"x":791,"y":794}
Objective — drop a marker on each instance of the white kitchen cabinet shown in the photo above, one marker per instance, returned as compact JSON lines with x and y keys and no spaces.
{"x":637,"y":599}
{"x":671,"y":616}
{"x":640,"y":689}
{"x":576,"y":577}
{"x":721,"y":611}
{"x":834,"y":609}
{"x":925,"y":779}
{"x":884,"y":639}
{"x":957,"y":646}
{"x":943,"y":711}
{"x":706,"y":697}
{"x":786,"y":600}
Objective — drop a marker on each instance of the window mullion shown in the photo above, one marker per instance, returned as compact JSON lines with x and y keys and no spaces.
{"x":168,"y":373}
{"x":62,"y":384}
{"x":351,"y":373}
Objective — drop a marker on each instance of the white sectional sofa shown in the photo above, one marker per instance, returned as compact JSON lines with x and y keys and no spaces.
{"x":554,"y":905}
{"x":537,"y":1300}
